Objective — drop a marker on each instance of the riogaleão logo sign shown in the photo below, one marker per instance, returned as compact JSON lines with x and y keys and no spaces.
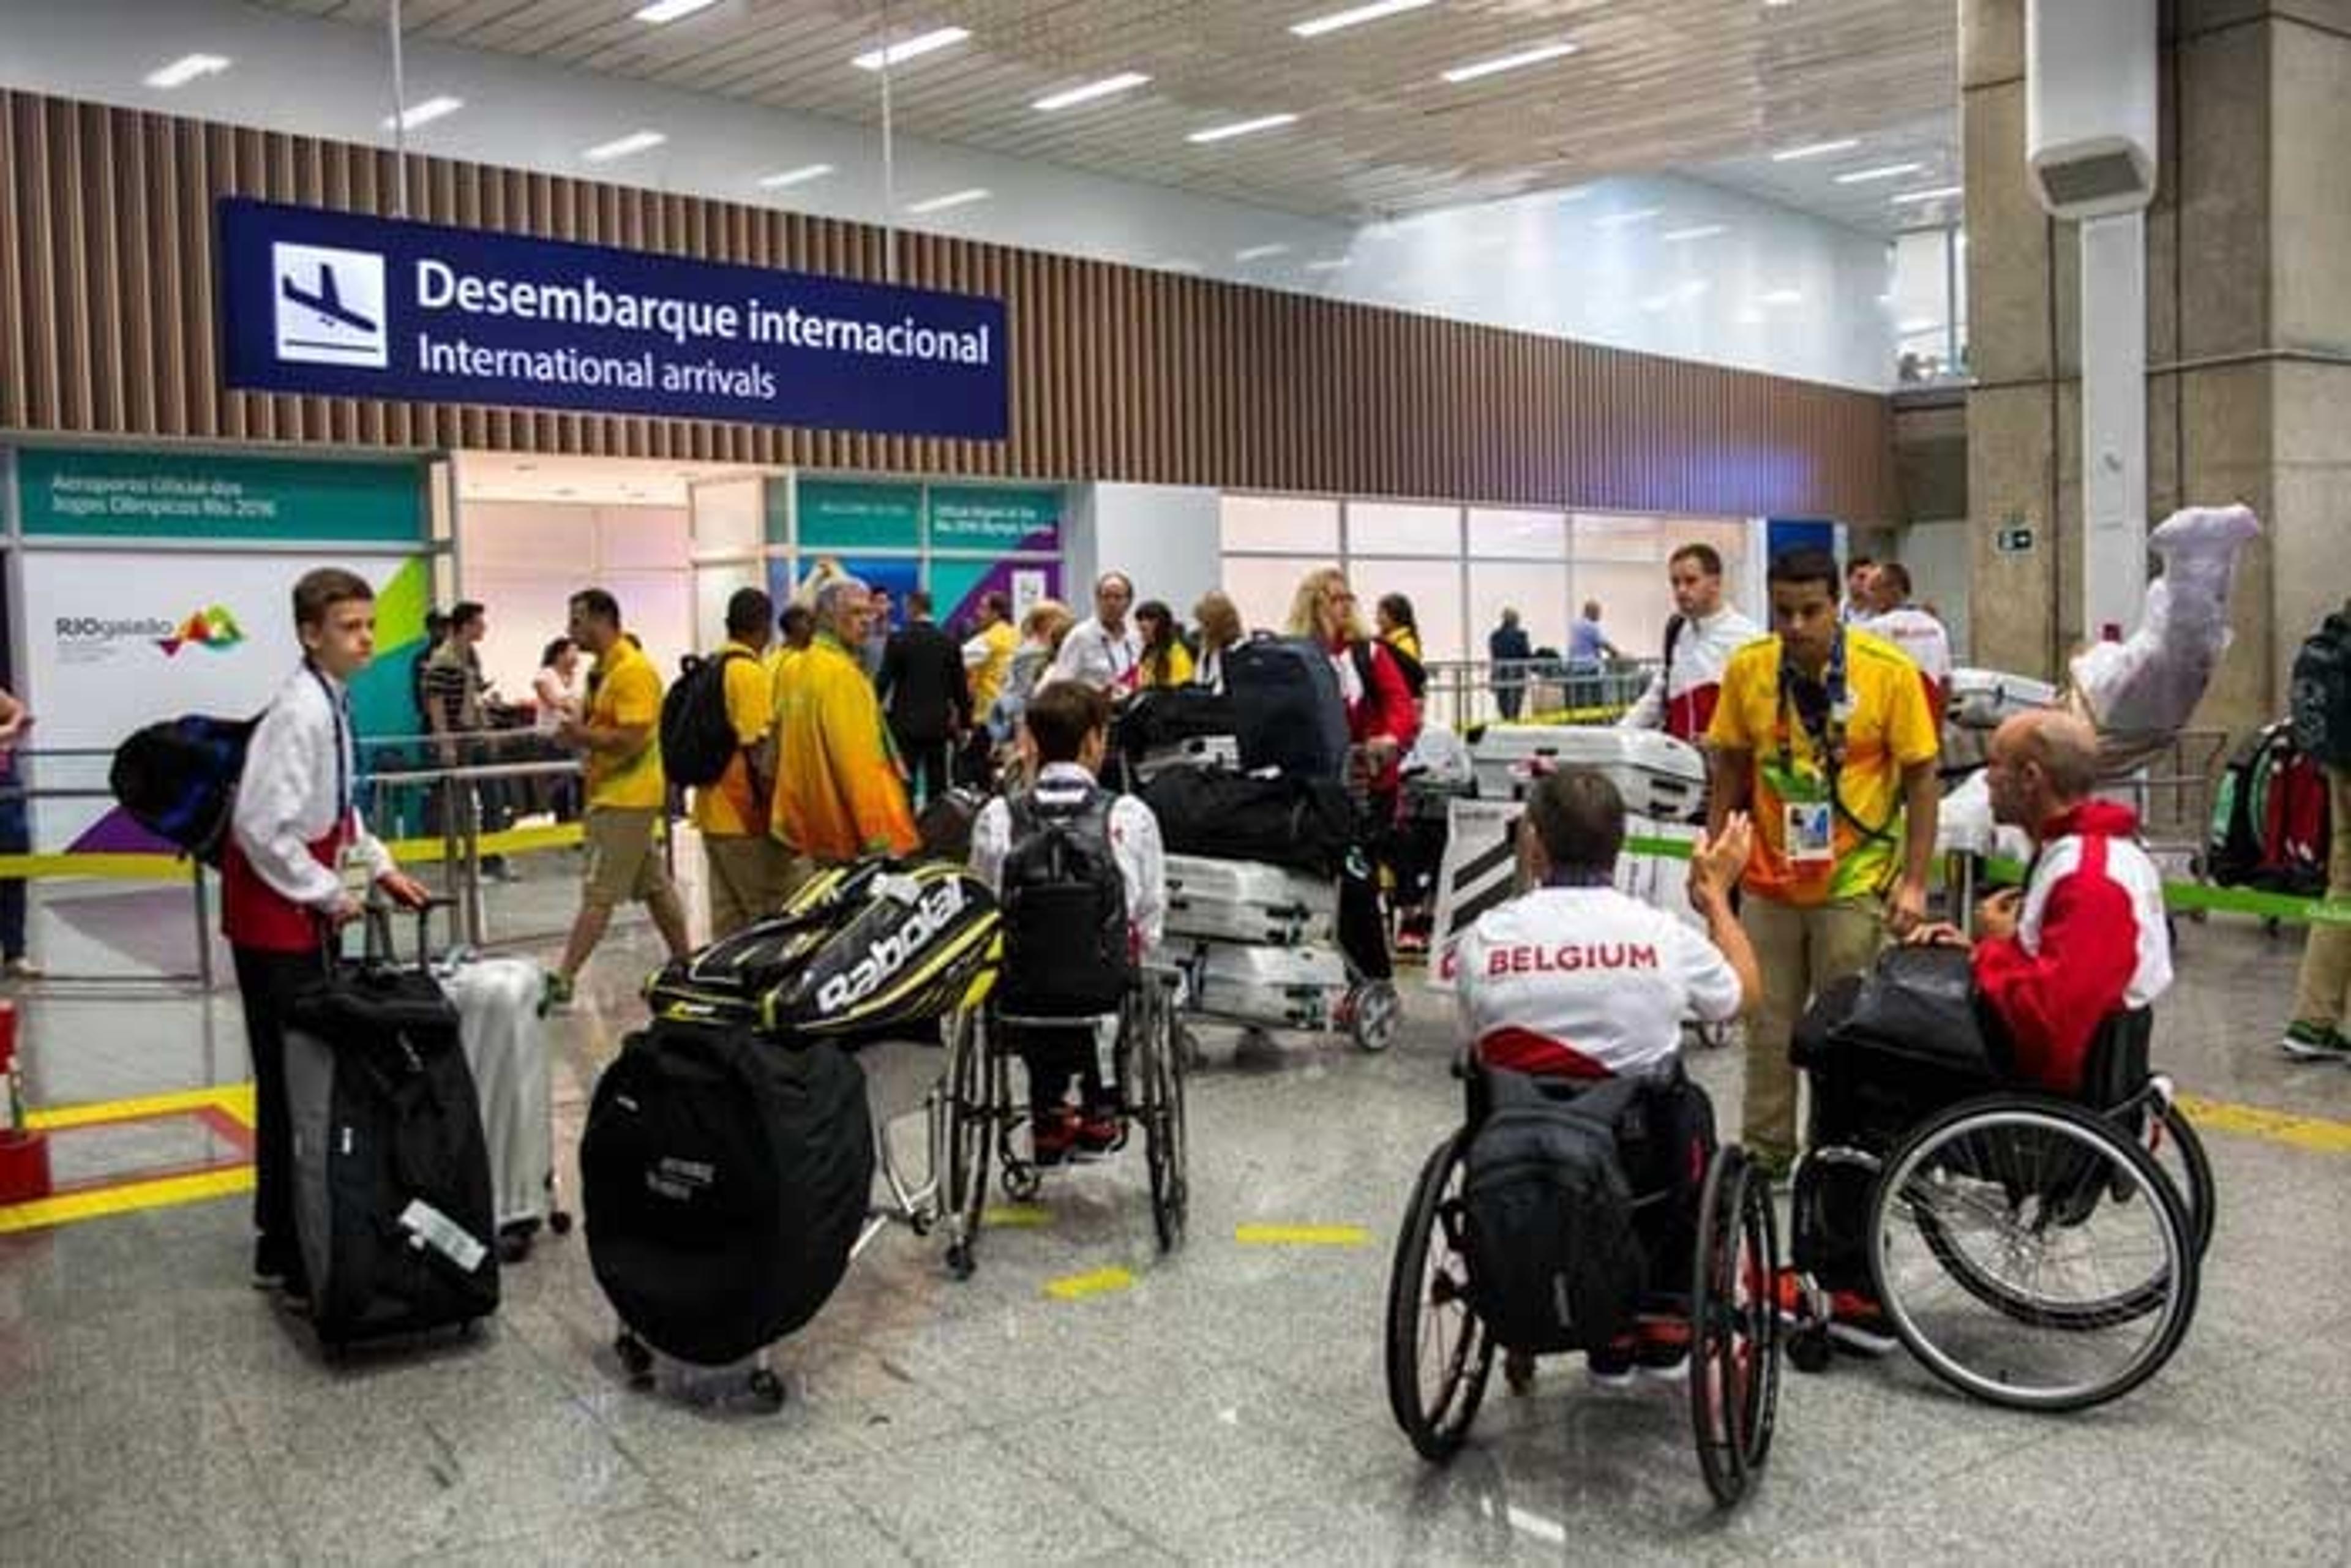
{"x":211,"y":627}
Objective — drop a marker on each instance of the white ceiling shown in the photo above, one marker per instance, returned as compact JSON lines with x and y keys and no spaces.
{"x":582,"y":481}
{"x":1708,"y":87}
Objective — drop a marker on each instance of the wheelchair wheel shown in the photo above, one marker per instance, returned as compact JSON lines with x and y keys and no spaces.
{"x":1734,"y":1375}
{"x":973,"y":1081}
{"x":2032,"y":1254}
{"x":1161,"y":1063}
{"x":2178,"y":1152}
{"x":1440,"y":1353}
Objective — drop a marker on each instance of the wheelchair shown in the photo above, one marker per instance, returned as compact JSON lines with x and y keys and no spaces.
{"x":2031,"y":1250}
{"x":1440,"y":1351}
{"x":984,"y":1110}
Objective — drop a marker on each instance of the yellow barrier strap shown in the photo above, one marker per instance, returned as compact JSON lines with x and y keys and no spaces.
{"x":1017,"y":1217}
{"x":1077,"y":1287}
{"x":163,"y":1192}
{"x":103,"y":867}
{"x":512,"y":841}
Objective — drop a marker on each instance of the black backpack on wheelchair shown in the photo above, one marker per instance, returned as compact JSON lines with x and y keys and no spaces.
{"x":1063,"y":903}
{"x":1554,"y":1261}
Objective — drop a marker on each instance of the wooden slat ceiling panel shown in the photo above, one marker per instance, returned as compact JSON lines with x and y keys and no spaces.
{"x":106,"y":320}
{"x":1660,"y":84}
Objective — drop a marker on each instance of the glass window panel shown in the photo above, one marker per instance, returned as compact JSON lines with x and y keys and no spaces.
{"x":658,"y":606}
{"x":1262,"y":586}
{"x":1434,"y":589}
{"x":1635,"y":601}
{"x":1602,"y":536}
{"x":1390,"y":528}
{"x":1289,"y":524}
{"x":525,"y":534}
{"x":525,"y":610}
{"x":713,"y":587}
{"x":1538,"y":592}
{"x":654,"y":536}
{"x":1499,"y":535}
{"x":728,"y":516}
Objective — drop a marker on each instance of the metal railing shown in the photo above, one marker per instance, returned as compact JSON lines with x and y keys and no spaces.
{"x":1465,"y":692}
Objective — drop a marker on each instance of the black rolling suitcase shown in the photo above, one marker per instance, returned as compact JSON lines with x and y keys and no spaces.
{"x":1286,"y":710}
{"x":391,"y":1176}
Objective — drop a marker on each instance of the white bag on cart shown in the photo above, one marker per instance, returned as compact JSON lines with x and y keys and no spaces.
{"x":505,"y":1039}
{"x":1658,"y":776}
{"x":1242,"y":901}
{"x":1280,"y":988}
{"x":1985,"y":699}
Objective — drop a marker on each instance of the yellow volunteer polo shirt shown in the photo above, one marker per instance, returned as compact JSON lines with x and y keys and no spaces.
{"x":1889,"y":728}
{"x":626,"y":691}
{"x":731,"y":809}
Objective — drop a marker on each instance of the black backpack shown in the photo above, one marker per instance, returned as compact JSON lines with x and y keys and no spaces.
{"x":723,"y":1179}
{"x":1066,"y":950}
{"x":2320,"y":701}
{"x":1288,"y":713}
{"x":178,"y":780}
{"x":697,"y":734}
{"x":1547,"y":1212}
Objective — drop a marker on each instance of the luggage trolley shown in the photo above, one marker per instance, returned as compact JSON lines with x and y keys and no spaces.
{"x":977,"y":1113}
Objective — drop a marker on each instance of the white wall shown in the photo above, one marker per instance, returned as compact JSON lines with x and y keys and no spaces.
{"x":1164,"y":536}
{"x":1556,"y":264}
{"x":1937,"y":556}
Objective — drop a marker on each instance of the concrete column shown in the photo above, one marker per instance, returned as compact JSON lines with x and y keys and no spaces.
{"x":2248,"y":330}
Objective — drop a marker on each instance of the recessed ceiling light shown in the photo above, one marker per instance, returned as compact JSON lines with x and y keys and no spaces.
{"x":1579,"y":194}
{"x":1882,"y":171}
{"x":1782,"y":297}
{"x":671,"y":10}
{"x":1941,"y":192}
{"x":1327,"y":263}
{"x":1261,"y":252}
{"x":426,"y":113}
{"x":1242,"y":128}
{"x":1533,"y":57}
{"x":1316,"y":26}
{"x":1679,"y":295}
{"x":1817,"y":149}
{"x":634,"y":141}
{"x":1916,"y":324}
{"x":1092,"y":90}
{"x":799,"y":176}
{"x":899,"y":53}
{"x":185,"y":70}
{"x":1623,"y":220}
{"x":1696,"y":231}
{"x":952,"y":199}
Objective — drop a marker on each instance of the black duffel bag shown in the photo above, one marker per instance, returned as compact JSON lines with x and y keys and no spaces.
{"x":1160,"y":717}
{"x":723,"y":1180}
{"x":1891,"y":1048}
{"x":1306,"y":824}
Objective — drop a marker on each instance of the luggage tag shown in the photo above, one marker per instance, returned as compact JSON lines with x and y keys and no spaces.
{"x":352,"y":869}
{"x":428,"y":1227}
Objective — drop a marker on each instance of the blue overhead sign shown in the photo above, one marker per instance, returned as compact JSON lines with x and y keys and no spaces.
{"x":340,"y":305}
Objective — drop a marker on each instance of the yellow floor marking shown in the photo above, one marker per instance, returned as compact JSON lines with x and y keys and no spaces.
{"x":129,"y":1198}
{"x":2312,"y":1133}
{"x":1301,"y":1235}
{"x":104,"y":867}
{"x":236,"y":1098}
{"x":1016,"y":1217}
{"x":1077,"y":1287}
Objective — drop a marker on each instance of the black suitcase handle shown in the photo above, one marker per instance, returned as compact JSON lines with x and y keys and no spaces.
{"x":376,"y":946}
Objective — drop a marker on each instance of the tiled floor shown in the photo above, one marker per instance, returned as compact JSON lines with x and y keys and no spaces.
{"x":1226,"y":1407}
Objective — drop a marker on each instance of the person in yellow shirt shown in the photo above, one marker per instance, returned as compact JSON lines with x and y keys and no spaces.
{"x":988,"y":653}
{"x":1823,"y":736}
{"x":746,"y":869}
{"x":840,"y":793}
{"x":795,"y":629}
{"x":619,"y":736}
{"x":1165,"y":661}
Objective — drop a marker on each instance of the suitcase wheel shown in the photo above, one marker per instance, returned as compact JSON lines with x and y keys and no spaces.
{"x":767,"y":1391}
{"x":559,"y":1222}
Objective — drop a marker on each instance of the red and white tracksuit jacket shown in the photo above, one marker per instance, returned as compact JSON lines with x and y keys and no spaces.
{"x":1695,"y":671}
{"x":2090,"y":939}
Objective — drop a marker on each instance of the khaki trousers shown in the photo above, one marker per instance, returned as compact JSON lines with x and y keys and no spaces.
{"x":2323,"y":994}
{"x":746,"y":880}
{"x":1800,"y":952}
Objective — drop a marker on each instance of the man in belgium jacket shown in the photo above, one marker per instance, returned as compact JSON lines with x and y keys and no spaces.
{"x":2085,"y":935}
{"x":1704,"y":632}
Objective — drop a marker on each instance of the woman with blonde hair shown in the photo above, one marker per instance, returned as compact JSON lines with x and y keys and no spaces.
{"x":1383,"y":722}
{"x":1042,"y":630}
{"x":1220,"y":628}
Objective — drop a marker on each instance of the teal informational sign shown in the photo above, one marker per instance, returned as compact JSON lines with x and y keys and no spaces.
{"x":992,"y":517}
{"x":848,"y":514}
{"x":153,"y":495}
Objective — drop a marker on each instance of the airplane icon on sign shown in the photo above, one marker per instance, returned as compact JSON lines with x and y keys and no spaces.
{"x":326,"y":300}
{"x":329,"y":306}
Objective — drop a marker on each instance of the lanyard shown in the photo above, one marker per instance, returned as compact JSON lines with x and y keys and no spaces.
{"x":1825,"y":729}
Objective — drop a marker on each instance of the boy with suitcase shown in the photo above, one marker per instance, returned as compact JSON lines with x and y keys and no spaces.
{"x":1074,"y":927}
{"x":299,"y":864}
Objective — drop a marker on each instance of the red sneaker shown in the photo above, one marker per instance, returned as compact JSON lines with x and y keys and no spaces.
{"x":1097,"y":1132}
{"x":1051,"y":1136}
{"x":1858,"y":1323}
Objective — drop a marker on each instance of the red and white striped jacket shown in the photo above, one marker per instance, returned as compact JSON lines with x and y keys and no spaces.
{"x":1694,"y":671}
{"x":2090,"y":938}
